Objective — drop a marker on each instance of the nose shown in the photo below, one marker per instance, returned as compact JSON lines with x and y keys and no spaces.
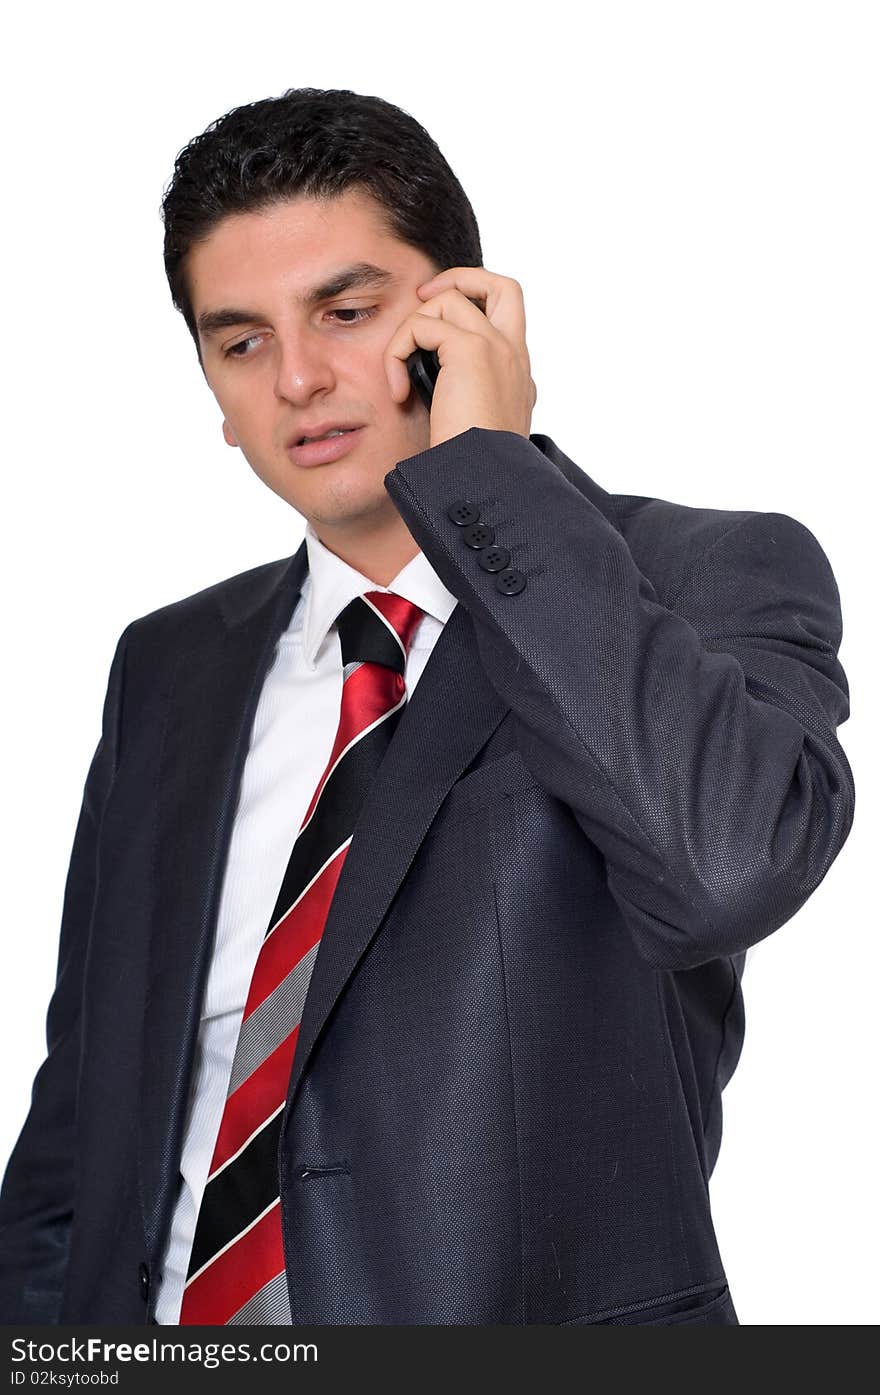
{"x":305,"y":365}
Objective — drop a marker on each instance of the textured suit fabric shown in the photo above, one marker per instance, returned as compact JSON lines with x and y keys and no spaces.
{"x":506,"y":1101}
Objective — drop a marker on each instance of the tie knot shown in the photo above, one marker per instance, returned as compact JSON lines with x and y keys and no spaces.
{"x":377,"y":628}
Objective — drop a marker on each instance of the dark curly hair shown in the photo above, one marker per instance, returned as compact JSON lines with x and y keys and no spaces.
{"x":317,"y":143}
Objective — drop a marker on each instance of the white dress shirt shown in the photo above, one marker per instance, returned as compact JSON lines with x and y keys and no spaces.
{"x":291,"y":740}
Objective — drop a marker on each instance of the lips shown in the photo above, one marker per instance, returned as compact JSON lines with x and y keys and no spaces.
{"x":324,"y":452}
{"x":320,"y":430}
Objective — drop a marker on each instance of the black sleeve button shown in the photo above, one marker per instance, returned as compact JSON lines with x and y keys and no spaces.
{"x":144,"y":1281}
{"x":493,"y":559}
{"x":463,"y":512}
{"x":478,"y":535}
{"x":510,"y":582}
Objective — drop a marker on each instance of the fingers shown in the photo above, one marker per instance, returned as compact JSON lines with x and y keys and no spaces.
{"x":451,"y":305}
{"x":424,"y":330}
{"x":473,"y":319}
{"x":502,"y":295}
{"x":403,"y":343}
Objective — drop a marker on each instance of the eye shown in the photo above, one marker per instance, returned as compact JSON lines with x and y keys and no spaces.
{"x":233,"y":350}
{"x":349,"y":310}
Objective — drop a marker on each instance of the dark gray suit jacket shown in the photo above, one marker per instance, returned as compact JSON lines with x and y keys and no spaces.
{"x":618,"y":770}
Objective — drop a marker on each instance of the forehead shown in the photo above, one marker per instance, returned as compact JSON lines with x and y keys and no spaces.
{"x":293,"y":244}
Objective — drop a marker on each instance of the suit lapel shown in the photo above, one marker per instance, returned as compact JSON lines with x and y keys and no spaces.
{"x":449,"y":718}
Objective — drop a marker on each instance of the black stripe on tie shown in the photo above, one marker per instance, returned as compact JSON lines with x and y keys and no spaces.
{"x":238,"y":1194}
{"x":365,"y":638}
{"x":336,"y":813}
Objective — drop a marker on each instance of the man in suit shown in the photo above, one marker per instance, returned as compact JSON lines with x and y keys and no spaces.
{"x":484,"y":1084}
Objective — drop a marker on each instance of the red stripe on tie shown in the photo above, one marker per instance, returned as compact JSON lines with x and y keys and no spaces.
{"x":217,"y":1293}
{"x":298,"y":931}
{"x":402,"y":615}
{"x":255,"y":1100}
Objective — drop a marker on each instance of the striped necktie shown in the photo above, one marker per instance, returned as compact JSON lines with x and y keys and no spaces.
{"x":236,"y":1272}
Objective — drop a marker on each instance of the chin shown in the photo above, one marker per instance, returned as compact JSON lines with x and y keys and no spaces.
{"x":336,"y":508}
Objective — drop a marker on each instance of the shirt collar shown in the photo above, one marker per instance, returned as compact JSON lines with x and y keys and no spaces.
{"x":331,"y":583}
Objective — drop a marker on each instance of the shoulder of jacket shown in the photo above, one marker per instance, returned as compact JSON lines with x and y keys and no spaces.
{"x":197,"y":612}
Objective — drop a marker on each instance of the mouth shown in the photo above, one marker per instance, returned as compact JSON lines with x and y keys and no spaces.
{"x":322,"y":450}
{"x":327,"y":434}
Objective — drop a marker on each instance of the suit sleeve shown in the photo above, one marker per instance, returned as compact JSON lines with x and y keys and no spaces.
{"x":37,"y":1197}
{"x":693,"y":740}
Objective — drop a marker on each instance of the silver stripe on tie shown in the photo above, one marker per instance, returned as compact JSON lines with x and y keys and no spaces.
{"x":272,"y":1021}
{"x":270,"y":1304}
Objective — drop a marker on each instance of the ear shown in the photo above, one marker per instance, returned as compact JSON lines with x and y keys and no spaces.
{"x":228,"y":435}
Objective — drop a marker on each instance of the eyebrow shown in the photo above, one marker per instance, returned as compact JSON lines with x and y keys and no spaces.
{"x":347,"y":278}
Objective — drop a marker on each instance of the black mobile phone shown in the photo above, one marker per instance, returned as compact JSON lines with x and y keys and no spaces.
{"x":423,"y":367}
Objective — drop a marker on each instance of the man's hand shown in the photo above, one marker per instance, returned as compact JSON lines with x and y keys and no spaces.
{"x":485,"y":374}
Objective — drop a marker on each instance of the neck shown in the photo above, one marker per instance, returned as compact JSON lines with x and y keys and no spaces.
{"x":377,"y":547}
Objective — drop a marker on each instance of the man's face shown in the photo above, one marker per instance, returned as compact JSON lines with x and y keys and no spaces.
{"x":290,"y":363}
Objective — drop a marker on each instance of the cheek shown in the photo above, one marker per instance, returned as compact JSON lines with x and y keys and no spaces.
{"x":369,"y":373}
{"x":251,"y":411}
{"x":370,"y":365}
{"x":233,"y":400}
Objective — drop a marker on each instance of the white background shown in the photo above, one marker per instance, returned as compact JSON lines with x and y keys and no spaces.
{"x":687,"y":194}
